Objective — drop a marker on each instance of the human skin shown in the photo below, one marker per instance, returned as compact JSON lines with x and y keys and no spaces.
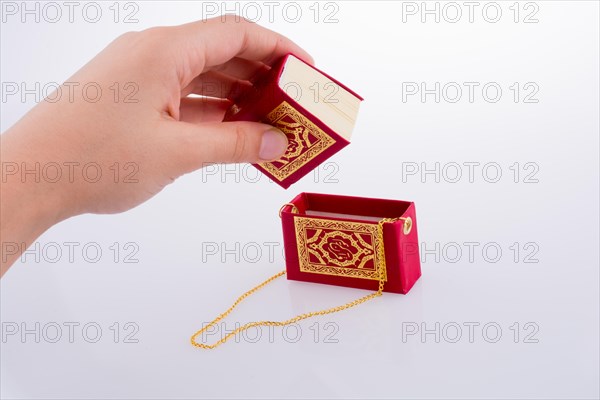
{"x":142,"y":141}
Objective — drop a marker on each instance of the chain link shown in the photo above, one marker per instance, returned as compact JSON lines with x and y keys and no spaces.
{"x":379,"y":292}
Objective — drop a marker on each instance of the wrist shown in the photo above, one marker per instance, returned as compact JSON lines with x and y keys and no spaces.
{"x":29,"y":204}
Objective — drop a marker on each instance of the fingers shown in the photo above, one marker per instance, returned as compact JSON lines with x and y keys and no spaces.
{"x":192,"y":146}
{"x":240,"y":68}
{"x":197,"y":110}
{"x":218,"y":40}
{"x":215,"y":84}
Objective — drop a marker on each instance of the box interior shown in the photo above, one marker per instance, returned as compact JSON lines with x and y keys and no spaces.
{"x":341,"y":216}
{"x":348,"y":207}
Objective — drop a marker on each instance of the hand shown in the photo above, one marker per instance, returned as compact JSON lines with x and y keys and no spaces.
{"x":127,"y":116}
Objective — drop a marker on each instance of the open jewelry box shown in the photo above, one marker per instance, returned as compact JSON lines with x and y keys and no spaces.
{"x":351,"y":241}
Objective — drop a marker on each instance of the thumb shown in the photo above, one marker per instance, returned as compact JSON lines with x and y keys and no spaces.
{"x":226,"y":142}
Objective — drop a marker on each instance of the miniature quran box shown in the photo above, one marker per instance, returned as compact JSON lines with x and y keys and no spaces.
{"x":316,"y":113}
{"x":351,"y":241}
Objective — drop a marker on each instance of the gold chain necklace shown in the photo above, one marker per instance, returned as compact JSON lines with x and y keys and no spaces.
{"x":300,"y":317}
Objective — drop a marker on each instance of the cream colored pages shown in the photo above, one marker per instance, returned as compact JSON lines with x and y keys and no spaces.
{"x":322,"y":97}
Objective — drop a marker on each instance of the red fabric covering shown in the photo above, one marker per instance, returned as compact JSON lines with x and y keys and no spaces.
{"x":403,"y":267}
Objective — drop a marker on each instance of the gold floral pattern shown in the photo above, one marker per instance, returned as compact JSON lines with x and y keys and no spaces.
{"x":305,"y":140}
{"x":338,"y":248}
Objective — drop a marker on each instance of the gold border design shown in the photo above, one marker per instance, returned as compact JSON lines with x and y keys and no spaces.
{"x":293,"y":160}
{"x":329,"y":265}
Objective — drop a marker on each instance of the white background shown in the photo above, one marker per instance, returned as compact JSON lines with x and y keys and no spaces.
{"x":551,"y":212}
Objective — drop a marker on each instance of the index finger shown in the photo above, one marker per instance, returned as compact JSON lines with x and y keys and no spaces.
{"x":215,"y":41}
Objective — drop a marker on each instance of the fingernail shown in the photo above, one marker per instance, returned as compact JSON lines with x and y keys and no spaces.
{"x":273,"y":145}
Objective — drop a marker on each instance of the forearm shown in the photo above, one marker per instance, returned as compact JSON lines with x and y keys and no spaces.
{"x":29,"y":205}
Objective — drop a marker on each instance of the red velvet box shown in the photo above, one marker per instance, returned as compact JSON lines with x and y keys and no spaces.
{"x":335,"y":240}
